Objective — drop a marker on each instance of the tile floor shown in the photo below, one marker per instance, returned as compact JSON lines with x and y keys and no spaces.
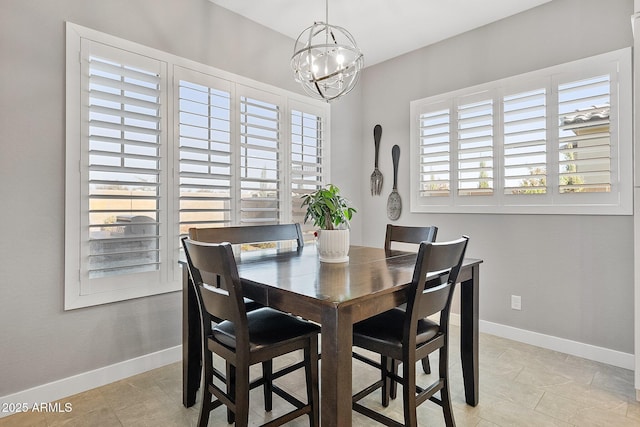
{"x":520,"y":385}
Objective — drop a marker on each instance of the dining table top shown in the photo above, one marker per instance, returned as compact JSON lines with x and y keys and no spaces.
{"x":369,"y":274}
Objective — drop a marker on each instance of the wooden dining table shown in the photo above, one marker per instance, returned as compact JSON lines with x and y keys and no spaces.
{"x":336,"y":296}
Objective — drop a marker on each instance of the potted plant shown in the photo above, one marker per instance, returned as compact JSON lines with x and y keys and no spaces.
{"x":332,"y":213}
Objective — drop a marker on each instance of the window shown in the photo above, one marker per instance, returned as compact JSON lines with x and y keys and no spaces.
{"x":204,"y":152}
{"x":475,"y":146}
{"x":163,"y":144}
{"x":260,"y":160}
{"x":554,"y":141}
{"x":248,"y":181}
{"x":524,"y":142}
{"x":308,"y":153}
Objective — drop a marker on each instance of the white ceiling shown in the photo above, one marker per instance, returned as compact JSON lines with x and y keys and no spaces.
{"x":383,"y":29}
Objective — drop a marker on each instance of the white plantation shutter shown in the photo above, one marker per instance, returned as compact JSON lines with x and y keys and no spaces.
{"x":553,"y":141}
{"x":307,"y":157}
{"x":205,"y":156}
{"x":525,"y":142}
{"x":232,"y":146}
{"x":434,"y":152}
{"x":147,"y":160}
{"x":475,"y":147}
{"x":260,"y":160}
{"x":584,"y":138}
{"x":124,"y":164}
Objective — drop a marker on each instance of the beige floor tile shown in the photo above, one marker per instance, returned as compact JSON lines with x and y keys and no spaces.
{"x":509,"y":414}
{"x":594,"y":417}
{"x":558,"y":407}
{"x":589,"y":396}
{"x":633,"y":411}
{"x":524,"y":395}
{"x":541,"y":378}
{"x":615,"y":379}
{"x":24,"y":419}
{"x":103,"y":417}
{"x":520,"y":386}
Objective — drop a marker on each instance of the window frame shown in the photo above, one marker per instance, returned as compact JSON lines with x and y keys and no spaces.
{"x":83,"y":292}
{"x":619,"y":201}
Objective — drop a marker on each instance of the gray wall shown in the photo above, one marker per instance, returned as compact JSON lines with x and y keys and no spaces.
{"x":574,"y":273}
{"x":579,"y":293}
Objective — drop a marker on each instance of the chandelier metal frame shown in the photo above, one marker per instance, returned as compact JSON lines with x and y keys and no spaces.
{"x":328,"y":62}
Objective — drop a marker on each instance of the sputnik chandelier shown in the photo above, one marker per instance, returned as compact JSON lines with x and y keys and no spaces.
{"x":326,"y":60}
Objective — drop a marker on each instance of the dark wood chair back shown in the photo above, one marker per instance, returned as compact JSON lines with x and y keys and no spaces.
{"x":434,"y":261}
{"x":221,"y":298}
{"x":408,"y":234}
{"x":415,"y":236}
{"x":249,"y":234}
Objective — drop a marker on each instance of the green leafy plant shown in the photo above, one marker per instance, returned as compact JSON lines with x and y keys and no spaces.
{"x":327,"y":208}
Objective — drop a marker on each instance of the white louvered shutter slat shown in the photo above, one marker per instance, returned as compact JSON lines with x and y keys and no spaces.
{"x":307,"y":160}
{"x":475,"y":148}
{"x":124,"y":168}
{"x":525,"y":142}
{"x":205,"y":155}
{"x":260,"y":137}
{"x":435,"y":153}
{"x":584,"y":136}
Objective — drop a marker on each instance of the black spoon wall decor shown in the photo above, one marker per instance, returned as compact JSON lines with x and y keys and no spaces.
{"x":394,"y":203}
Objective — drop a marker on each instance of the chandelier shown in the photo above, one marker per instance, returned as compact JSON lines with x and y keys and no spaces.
{"x":326,"y":60}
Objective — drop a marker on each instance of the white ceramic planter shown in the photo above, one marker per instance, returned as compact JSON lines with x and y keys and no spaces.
{"x":333,"y":245}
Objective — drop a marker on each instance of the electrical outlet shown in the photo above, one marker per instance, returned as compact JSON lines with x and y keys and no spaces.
{"x":516,"y":302}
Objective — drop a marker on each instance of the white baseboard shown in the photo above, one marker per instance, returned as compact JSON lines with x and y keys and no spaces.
{"x":65,"y":387}
{"x":574,"y":348}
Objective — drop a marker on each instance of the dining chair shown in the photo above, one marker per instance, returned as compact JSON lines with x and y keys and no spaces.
{"x":255,"y":234}
{"x":245,"y":338}
{"x":408,"y":335}
{"x":414,"y":235}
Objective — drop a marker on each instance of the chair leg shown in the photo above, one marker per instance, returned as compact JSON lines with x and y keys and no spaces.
{"x":206,"y":408}
{"x":426,"y":366}
{"x":267,"y":374}
{"x":409,"y":393}
{"x":203,"y":419}
{"x":393,"y":389}
{"x":231,"y":391}
{"x":311,"y":373}
{"x":445,"y":395}
{"x":242,"y":396}
{"x":387,"y":365}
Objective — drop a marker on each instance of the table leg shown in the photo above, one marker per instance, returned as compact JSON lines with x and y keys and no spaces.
{"x":337,"y":339}
{"x":469,"y":314}
{"x":191,"y":345}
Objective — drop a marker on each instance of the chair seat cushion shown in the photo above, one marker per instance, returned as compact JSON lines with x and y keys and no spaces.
{"x":387,"y":328}
{"x":249,"y":305}
{"x":266,"y":327}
